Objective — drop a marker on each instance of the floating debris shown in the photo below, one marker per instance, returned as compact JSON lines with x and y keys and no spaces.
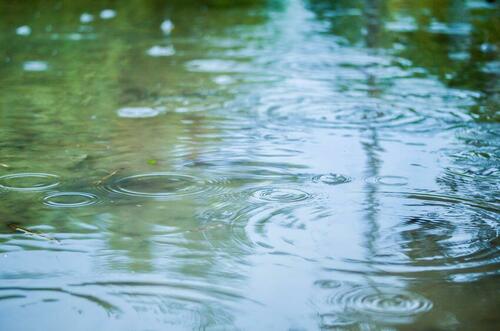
{"x":19,"y":228}
{"x":108,"y":176}
{"x":4,"y":165}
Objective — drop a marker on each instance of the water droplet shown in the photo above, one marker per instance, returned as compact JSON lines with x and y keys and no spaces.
{"x":107,"y":14}
{"x":167,"y":26}
{"x":70,"y":199}
{"x":29,"y":181}
{"x":332,"y":179}
{"x":450,"y":29}
{"x":403,"y":24}
{"x":280,"y":194}
{"x":86,"y":18}
{"x":137,"y":112}
{"x":75,"y":36}
{"x":158,"y":51}
{"x":215,"y":65}
{"x":328,"y":283}
{"x":388,"y":180}
{"x":23,"y":30}
{"x":333,"y":321}
{"x":223,"y":80}
{"x":35,"y":66}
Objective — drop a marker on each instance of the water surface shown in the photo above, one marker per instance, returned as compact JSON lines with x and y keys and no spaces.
{"x":265,"y":165}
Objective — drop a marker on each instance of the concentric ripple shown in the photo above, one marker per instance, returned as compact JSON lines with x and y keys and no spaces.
{"x":280,"y":194}
{"x":29,"y":181}
{"x":388,"y":180}
{"x":332,"y":179}
{"x":159,"y":185}
{"x":387,"y":304}
{"x":345,"y":114}
{"x":438,"y":236}
{"x":70,"y":199}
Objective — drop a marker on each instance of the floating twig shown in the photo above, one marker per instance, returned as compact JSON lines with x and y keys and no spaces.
{"x":19,"y":228}
{"x":108,"y":176}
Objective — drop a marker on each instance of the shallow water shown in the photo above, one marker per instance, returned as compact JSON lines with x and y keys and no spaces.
{"x":286,"y":165}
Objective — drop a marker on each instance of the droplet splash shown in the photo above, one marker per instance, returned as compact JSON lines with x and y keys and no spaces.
{"x":280,"y":194}
{"x":332,"y":179}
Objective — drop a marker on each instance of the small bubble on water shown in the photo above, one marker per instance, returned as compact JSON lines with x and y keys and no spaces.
{"x":167,"y":26}
{"x":157,"y":51}
{"x":332,"y":179}
{"x":86,"y":18}
{"x":488,"y":48}
{"x":23,"y":30}
{"x":137,"y":112}
{"x":107,"y":14}
{"x":75,"y":36}
{"x":223,"y":80}
{"x":35,"y":66}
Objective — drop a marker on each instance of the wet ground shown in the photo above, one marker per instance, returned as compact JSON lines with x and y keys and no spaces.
{"x":281,"y":165}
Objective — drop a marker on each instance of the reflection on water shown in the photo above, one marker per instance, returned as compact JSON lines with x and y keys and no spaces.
{"x":268,"y":165}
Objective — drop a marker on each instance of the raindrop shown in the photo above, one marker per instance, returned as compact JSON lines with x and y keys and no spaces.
{"x":23,"y":30}
{"x":137,"y":112}
{"x":107,"y":14}
{"x":35,"y":66}
{"x":329,"y":284}
{"x":488,"y":48}
{"x":404,"y":24}
{"x":87,"y":18}
{"x":388,"y":180}
{"x":167,"y":26}
{"x":280,"y":194}
{"x":332,"y":179}
{"x":223,"y":80}
{"x":158,"y":51}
